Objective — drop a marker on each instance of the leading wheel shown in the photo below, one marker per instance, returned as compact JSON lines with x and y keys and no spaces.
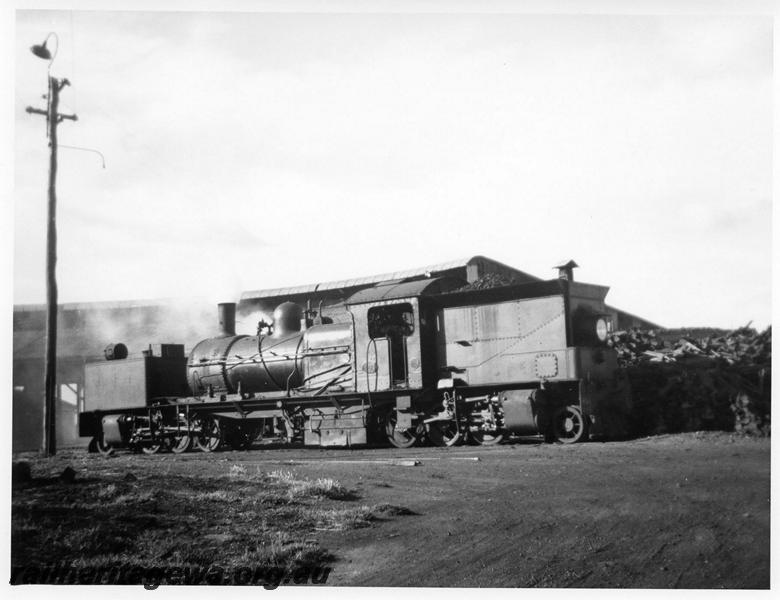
{"x":400,"y":438}
{"x":443,"y":433}
{"x":151,"y":448}
{"x":569,"y":425}
{"x":208,"y":435}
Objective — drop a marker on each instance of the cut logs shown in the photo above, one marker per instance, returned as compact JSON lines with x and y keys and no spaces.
{"x":721,"y":381}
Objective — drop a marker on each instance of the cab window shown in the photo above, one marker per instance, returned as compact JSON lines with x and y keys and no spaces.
{"x":390,"y":321}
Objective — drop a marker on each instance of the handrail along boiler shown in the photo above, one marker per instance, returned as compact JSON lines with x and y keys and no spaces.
{"x":413,"y":360}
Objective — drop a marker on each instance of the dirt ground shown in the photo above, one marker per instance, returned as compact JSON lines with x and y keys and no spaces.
{"x":675,"y":511}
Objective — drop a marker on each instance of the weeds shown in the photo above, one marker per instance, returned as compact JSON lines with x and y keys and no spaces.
{"x":237,"y":471}
{"x":335,"y":519}
{"x":308,"y":488}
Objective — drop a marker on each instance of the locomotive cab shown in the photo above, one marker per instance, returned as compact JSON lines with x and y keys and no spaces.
{"x":390,"y":332}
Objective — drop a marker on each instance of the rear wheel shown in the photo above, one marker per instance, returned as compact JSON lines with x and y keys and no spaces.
{"x":570,"y":425}
{"x":443,"y":433}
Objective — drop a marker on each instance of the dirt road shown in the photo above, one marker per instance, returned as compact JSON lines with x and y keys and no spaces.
{"x":682,"y":511}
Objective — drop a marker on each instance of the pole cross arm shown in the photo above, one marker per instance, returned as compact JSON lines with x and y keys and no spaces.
{"x":60,"y":118}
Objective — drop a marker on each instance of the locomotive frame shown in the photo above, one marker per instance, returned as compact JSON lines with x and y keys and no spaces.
{"x":413,"y":361}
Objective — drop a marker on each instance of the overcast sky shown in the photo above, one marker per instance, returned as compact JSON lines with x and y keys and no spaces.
{"x":254,"y":150}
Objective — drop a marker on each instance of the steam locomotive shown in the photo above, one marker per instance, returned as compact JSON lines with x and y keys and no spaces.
{"x":412,"y":362}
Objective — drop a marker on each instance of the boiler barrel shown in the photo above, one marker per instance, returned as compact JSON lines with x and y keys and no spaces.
{"x":275,"y":365}
{"x":225,"y":363}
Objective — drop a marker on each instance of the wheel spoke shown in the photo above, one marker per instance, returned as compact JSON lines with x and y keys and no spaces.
{"x":181,"y":443}
{"x":208,"y":437}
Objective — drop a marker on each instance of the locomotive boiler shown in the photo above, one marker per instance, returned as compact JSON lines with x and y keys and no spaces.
{"x":408,"y":362}
{"x":285,"y":359}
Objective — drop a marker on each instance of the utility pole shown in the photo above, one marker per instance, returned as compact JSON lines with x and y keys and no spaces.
{"x":53,"y":118}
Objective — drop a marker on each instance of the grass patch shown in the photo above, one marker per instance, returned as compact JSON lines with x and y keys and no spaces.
{"x":335,"y":519}
{"x":311,"y":488}
{"x":239,"y":520}
{"x":238,"y":471}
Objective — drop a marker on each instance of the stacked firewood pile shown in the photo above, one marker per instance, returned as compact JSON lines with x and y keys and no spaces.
{"x":721,"y":381}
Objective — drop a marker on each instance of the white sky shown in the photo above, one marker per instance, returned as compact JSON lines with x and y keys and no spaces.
{"x":254,"y":150}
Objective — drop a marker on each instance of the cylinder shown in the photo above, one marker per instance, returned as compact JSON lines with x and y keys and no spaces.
{"x":227,"y":318}
{"x":520,"y":411}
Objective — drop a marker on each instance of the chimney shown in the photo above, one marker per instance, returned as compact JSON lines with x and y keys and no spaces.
{"x":227,"y":318}
{"x":566,"y":270}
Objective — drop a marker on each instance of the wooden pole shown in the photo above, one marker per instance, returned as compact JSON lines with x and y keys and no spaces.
{"x":50,"y":376}
{"x":49,"y":443}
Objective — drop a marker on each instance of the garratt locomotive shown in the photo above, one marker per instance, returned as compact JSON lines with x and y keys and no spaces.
{"x":410,"y":361}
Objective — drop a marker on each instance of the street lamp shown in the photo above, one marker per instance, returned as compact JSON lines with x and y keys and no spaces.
{"x":41,"y":51}
{"x":53,"y":118}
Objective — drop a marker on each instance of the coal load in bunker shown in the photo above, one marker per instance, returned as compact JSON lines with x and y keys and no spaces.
{"x":431,"y":361}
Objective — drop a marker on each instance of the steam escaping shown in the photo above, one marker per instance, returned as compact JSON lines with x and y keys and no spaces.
{"x":139,"y":324}
{"x":86,"y":331}
{"x":247,"y":324}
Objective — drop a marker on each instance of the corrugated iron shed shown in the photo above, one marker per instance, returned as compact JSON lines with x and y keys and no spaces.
{"x":419,"y":272}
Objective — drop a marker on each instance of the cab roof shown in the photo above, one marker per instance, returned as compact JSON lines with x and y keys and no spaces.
{"x":392,"y":290}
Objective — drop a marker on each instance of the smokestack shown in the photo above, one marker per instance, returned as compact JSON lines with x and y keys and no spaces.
{"x":227,"y":318}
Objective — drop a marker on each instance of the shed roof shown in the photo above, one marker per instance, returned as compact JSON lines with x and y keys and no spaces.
{"x":365,"y":281}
